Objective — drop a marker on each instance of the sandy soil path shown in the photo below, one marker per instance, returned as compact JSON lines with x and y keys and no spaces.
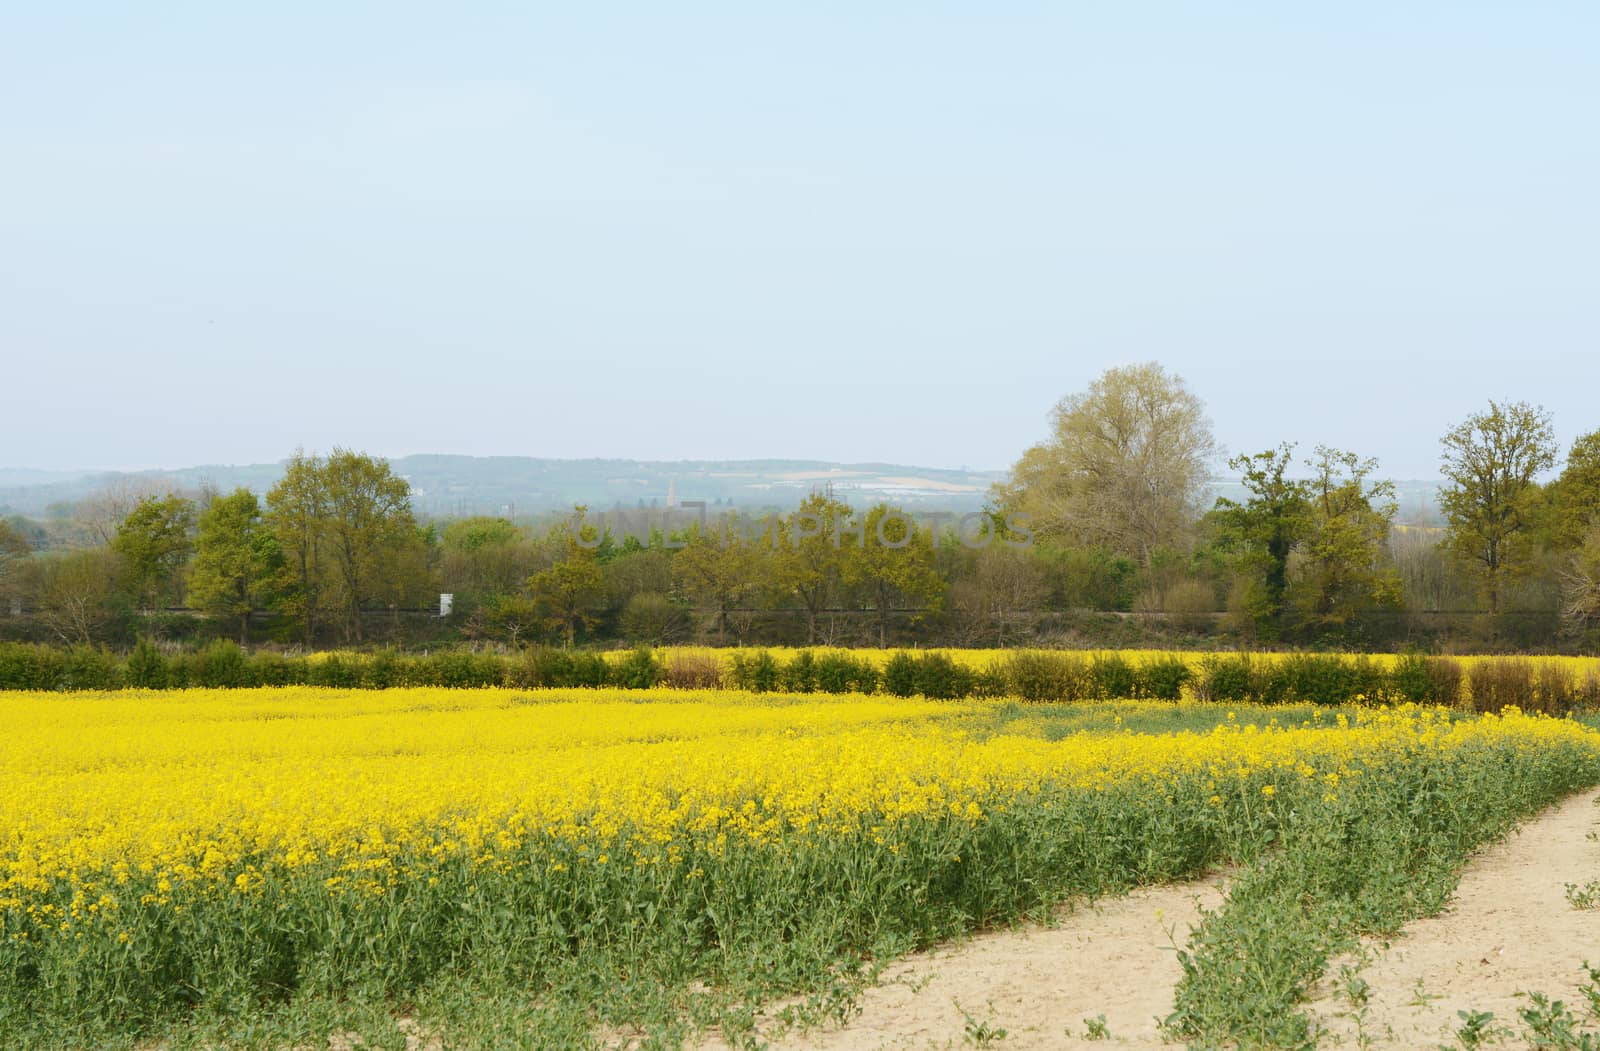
{"x":1115,"y":957}
{"x":1509,"y":929}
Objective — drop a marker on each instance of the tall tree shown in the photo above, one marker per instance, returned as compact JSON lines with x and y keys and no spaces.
{"x":718,"y":575}
{"x":370,"y":531}
{"x":296,"y":507}
{"x":811,"y":554}
{"x":484,"y":557}
{"x":1573,"y":500}
{"x":894,"y":567}
{"x":1491,"y":462}
{"x":1347,"y":539}
{"x":568,"y":595}
{"x":1268,"y":525}
{"x":154,"y":542}
{"x":236,"y":557}
{"x":1124,"y":468}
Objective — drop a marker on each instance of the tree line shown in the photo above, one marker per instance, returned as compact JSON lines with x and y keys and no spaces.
{"x":1105,"y":524}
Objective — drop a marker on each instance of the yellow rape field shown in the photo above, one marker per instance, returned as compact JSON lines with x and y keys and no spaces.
{"x":211,"y":784}
{"x":146,"y":836}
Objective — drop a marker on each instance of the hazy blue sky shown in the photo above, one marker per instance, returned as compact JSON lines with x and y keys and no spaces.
{"x":853,"y":232}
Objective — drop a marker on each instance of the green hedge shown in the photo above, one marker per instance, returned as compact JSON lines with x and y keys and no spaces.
{"x":1052,"y":676}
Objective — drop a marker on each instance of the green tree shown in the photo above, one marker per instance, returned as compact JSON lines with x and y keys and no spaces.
{"x":811,"y":553}
{"x":1267,"y":526}
{"x":718,"y":575}
{"x":894,"y":567}
{"x":154,"y":542}
{"x":1345,"y":546}
{"x":372,"y":541}
{"x":568,"y":594}
{"x":1491,"y":462}
{"x":1573,"y":500}
{"x":1124,"y":468}
{"x":483,"y":557}
{"x":236,"y":558}
{"x":296,"y":508}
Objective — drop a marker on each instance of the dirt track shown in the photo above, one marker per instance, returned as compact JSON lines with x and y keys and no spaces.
{"x":1039,"y":984}
{"x":1508,"y":929}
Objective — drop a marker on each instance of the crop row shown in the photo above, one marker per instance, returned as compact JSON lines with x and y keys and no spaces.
{"x":216,"y":858}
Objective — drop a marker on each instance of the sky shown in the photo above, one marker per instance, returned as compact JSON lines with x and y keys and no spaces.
{"x":886,"y":232}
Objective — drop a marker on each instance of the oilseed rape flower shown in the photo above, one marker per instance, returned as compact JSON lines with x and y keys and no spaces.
{"x":282,"y":823}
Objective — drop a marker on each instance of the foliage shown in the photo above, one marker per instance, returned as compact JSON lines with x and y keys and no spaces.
{"x":153,"y":543}
{"x":1490,"y":462}
{"x":236,"y":559}
{"x":1268,"y":526}
{"x":567,"y":595}
{"x":1123,"y":467}
{"x":1037,"y":675}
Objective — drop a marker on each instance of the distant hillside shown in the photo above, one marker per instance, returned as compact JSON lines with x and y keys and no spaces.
{"x":463,"y":485}
{"x":449,"y":486}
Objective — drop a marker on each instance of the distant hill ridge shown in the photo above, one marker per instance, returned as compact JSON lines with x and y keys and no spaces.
{"x":462,"y":485}
{"x":448,"y":485}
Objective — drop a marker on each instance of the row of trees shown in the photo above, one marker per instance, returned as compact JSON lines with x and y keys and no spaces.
{"x":334,"y":537}
{"x":1110,"y":514}
{"x":1313,"y":545}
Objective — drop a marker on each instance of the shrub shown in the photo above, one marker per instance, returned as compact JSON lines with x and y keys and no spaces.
{"x":1587,"y":694}
{"x":693,"y":672}
{"x":1163,"y":678}
{"x":1191,"y":606}
{"x":274,"y":669}
{"x":1495,"y":682}
{"x":1554,"y":688}
{"x":990,"y":682}
{"x":652,"y":618}
{"x":1039,"y":676}
{"x":1411,"y":680}
{"x":842,"y":673}
{"x":756,"y":672}
{"x":639,"y":670}
{"x":222,"y":665}
{"x":333,"y":670}
{"x":900,"y":675}
{"x":1114,"y":677}
{"x":384,"y":669}
{"x":1446,"y":675}
{"x":800,"y":674}
{"x":146,"y":667}
{"x":1318,"y":678}
{"x":939,"y":678}
{"x":557,"y":669}
{"x":90,"y":668}
{"x":29,"y":667}
{"x":460,"y":670}
{"x":1227,"y":678}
